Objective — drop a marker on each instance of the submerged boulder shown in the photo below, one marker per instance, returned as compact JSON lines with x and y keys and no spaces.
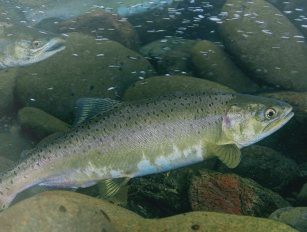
{"x":293,"y":216}
{"x":265,"y":166}
{"x":230,"y":193}
{"x":67,"y":211}
{"x":164,"y":85}
{"x":86,"y":68}
{"x":212,"y":63}
{"x":7,"y":85}
{"x":101,"y":24}
{"x":265,"y":43}
{"x":40,"y":123}
{"x":170,"y":55}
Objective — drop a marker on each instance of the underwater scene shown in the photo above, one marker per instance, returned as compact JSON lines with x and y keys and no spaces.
{"x":153,"y":115}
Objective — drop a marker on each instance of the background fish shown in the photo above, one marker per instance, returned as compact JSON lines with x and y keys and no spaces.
{"x":21,"y":46}
{"x":36,"y":11}
{"x":128,"y":140}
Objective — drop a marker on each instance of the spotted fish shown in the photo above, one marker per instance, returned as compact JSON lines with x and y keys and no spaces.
{"x":115,"y":141}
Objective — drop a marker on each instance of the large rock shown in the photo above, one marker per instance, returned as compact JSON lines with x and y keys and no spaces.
{"x":212,"y":63}
{"x":40,"y":123}
{"x":13,"y":142}
{"x":103,"y":25}
{"x":7,"y":85}
{"x":295,"y":217}
{"x":265,"y":166}
{"x":162,"y":85}
{"x":264,"y":41}
{"x":67,"y":211}
{"x":170,"y":56}
{"x":230,"y":193}
{"x":86,"y":68}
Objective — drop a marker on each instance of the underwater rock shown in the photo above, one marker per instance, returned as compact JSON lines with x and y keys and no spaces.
{"x":13,"y":143}
{"x":294,"y":10}
{"x":212,"y":63}
{"x":67,"y":211}
{"x":164,"y":194}
{"x":293,"y":216}
{"x":39,"y":123}
{"x":170,"y":55}
{"x":163,"y":85}
{"x":101,"y":24}
{"x":297,"y":99}
{"x":265,"y":166}
{"x":7,"y":85}
{"x":86,"y":68}
{"x":266,"y":43}
{"x":302,"y":196}
{"x":230,"y":193}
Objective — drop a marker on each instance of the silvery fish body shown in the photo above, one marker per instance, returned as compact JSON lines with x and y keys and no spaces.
{"x":136,"y":139}
{"x":36,"y":11}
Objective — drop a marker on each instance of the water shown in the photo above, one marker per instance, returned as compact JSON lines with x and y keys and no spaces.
{"x":135,"y":50}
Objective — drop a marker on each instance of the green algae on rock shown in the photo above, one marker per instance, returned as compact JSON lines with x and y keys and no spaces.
{"x":163,"y":85}
{"x":60,"y":210}
{"x":212,"y":63}
{"x":264,"y":41}
{"x":86,"y":68}
{"x":40,"y":123}
{"x":230,"y":193}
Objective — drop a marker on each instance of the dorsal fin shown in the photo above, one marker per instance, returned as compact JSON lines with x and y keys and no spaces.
{"x":87,"y":108}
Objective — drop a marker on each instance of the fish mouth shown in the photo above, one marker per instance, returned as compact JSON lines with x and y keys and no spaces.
{"x":54,"y":45}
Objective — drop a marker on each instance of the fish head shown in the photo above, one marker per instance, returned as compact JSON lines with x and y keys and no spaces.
{"x":249,"y":119}
{"x":25,"y":52}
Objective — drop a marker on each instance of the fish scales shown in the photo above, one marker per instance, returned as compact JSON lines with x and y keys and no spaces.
{"x":134,"y":139}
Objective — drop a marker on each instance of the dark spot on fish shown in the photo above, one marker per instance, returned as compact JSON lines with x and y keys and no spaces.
{"x":91,"y":87}
{"x":62,"y":209}
{"x":106,"y":215}
{"x":72,"y":94}
{"x":1,"y":193}
{"x":195,"y":227}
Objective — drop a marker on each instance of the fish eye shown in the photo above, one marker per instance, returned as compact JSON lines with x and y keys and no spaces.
{"x":36,"y":43}
{"x":270,"y":113}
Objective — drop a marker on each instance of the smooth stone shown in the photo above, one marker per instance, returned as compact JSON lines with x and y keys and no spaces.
{"x":212,"y":63}
{"x":7,"y":85}
{"x":13,"y":142}
{"x":67,"y":211}
{"x":230,"y":193}
{"x":302,"y":196}
{"x":98,"y":23}
{"x":265,"y":43}
{"x":170,"y":56}
{"x":86,"y":68}
{"x":293,"y":216}
{"x":266,"y":166}
{"x":39,"y":123}
{"x":163,"y":85}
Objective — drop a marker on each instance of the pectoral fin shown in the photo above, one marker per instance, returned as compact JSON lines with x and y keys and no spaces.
{"x":229,"y":154}
{"x":108,"y":188}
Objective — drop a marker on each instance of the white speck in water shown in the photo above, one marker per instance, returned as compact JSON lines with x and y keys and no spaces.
{"x":111,"y":88}
{"x":99,"y":55}
{"x":32,"y":100}
{"x":75,"y":54}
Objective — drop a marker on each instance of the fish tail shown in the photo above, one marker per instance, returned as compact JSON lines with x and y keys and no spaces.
{"x":5,"y":198}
